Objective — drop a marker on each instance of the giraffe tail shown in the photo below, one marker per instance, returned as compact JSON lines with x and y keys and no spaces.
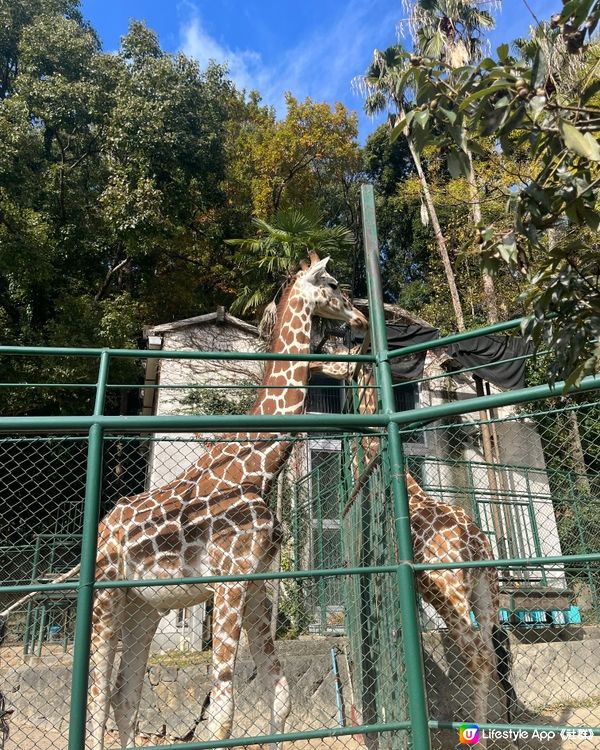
{"x":28,"y":597}
{"x":503,"y":667}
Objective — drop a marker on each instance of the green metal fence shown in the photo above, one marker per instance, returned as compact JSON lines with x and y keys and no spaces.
{"x":371,"y":663}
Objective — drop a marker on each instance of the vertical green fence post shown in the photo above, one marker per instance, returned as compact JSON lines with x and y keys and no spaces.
{"x":411,"y":640}
{"x":87,"y":574}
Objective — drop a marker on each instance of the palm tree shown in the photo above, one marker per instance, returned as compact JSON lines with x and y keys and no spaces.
{"x":279,"y":246}
{"x":450,"y":30}
{"x":384,"y":83}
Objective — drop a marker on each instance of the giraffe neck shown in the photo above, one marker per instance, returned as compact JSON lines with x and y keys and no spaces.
{"x":284,"y":383}
{"x":264,"y":454}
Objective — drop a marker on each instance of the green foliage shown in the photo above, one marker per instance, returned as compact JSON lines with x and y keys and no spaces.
{"x":221,"y":401}
{"x":407,"y":263}
{"x":293,"y":615}
{"x":544,"y":101}
{"x":121,"y":177}
{"x":111,"y":207}
{"x":279,"y":247}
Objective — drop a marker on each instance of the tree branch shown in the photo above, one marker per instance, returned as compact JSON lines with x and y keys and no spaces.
{"x":111,"y":272}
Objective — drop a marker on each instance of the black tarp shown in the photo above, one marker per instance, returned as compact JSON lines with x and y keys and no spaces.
{"x":487,"y":353}
{"x":490,"y":352}
{"x":399,"y":336}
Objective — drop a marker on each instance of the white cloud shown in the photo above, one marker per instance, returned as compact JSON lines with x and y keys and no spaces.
{"x":245,"y":67}
{"x":322,"y":65}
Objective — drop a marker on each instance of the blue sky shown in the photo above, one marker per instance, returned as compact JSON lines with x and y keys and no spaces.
{"x":309,"y":47}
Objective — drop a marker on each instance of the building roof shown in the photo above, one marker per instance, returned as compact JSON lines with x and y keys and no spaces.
{"x":200,"y":320}
{"x":393,"y":314}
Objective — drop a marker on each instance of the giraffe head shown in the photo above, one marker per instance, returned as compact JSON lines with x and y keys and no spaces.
{"x":323,"y":294}
{"x":337,"y":370}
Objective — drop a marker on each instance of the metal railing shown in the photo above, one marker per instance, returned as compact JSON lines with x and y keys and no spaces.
{"x":388,"y":676}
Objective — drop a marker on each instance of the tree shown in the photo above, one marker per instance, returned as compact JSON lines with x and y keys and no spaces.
{"x":121,"y":177}
{"x":547,"y":104}
{"x":298,"y":174}
{"x":296,"y":157}
{"x":451,"y":31}
{"x":279,"y":247}
{"x":409,"y":272}
{"x":110,"y":180}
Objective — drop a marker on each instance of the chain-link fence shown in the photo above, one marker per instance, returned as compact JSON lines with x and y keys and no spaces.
{"x":418,"y":558}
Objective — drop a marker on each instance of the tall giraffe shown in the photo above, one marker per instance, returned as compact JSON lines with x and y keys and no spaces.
{"x":211,"y":520}
{"x":443,"y":533}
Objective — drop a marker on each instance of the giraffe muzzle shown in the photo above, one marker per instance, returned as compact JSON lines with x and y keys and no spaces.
{"x":358,"y":320}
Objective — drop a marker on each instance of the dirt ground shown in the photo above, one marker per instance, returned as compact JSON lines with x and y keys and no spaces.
{"x":27,"y":737}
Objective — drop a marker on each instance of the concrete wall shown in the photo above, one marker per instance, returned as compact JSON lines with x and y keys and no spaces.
{"x":544,"y":675}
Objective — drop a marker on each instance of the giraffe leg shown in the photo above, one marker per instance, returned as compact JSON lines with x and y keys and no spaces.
{"x":106,"y":627}
{"x":447,"y":592}
{"x":140,"y":621}
{"x":229,"y":599}
{"x":257,"y":621}
{"x":485,"y":603}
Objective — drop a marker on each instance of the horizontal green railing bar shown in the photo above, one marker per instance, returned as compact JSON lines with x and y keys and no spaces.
{"x":292,"y":574}
{"x":151,"y":438}
{"x":49,"y":351}
{"x":506,"y":398}
{"x":194,"y":580}
{"x":270,"y":739}
{"x":510,"y":562}
{"x":454,"y":338}
{"x":185,"y":386}
{"x":52,"y":385}
{"x":287,"y":423}
{"x":509,"y":418}
{"x":530,"y":728}
{"x":197,"y":423}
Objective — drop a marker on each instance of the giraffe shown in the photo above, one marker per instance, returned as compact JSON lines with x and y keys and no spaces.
{"x":213,"y":519}
{"x":442,"y":533}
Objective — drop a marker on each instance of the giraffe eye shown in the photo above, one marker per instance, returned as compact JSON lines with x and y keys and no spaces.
{"x":333,"y":285}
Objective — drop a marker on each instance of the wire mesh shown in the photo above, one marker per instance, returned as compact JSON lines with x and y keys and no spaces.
{"x":527,"y":475}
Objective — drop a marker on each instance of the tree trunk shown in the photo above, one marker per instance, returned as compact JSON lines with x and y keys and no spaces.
{"x":583,"y":482}
{"x":489,"y":290}
{"x":439,"y":237}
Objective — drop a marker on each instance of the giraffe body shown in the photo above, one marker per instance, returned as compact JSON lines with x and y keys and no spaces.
{"x":441,"y":533}
{"x":211,"y":520}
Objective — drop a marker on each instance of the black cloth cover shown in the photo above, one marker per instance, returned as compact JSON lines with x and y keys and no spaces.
{"x":490,"y":351}
{"x":399,"y":336}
